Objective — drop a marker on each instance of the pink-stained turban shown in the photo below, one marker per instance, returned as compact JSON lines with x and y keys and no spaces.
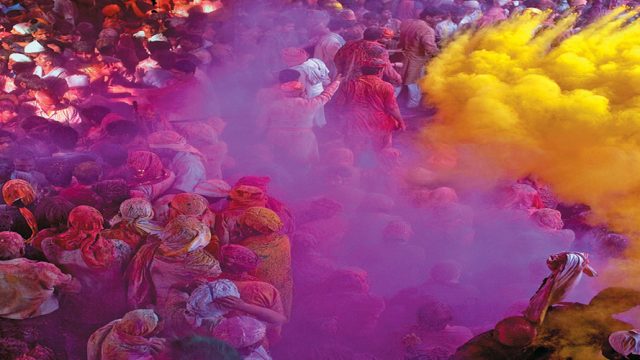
{"x":294,"y":56}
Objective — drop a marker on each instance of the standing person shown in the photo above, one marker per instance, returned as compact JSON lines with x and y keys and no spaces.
{"x":314,"y":75}
{"x":328,"y":46}
{"x":288,"y":123}
{"x":355,"y":54}
{"x":370,"y":110}
{"x":418,"y":42}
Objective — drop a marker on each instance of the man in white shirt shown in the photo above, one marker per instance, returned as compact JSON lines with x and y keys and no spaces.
{"x":49,"y":107}
{"x":46,"y":67}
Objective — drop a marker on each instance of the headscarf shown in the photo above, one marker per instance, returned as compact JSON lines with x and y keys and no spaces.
{"x":261,"y":182}
{"x":129,"y":334}
{"x":147,"y":166}
{"x":85,"y":226}
{"x":194,"y":205}
{"x":201,"y":304}
{"x":262,"y":220}
{"x":294,"y":56}
{"x":189,"y":204}
{"x":242,"y":257}
{"x":11,"y":245}
{"x":138,"y":212}
{"x":14,"y":190}
{"x":167,"y":139}
{"x":626,"y":342}
{"x":566,"y":271}
{"x":182,"y":235}
{"x":244,"y":196}
{"x":240,"y":331}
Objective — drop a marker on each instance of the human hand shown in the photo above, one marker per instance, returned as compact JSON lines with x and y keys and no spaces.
{"x":157,"y":345}
{"x":231,"y":302}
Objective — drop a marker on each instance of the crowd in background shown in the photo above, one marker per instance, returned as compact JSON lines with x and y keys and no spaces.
{"x":238,"y":179}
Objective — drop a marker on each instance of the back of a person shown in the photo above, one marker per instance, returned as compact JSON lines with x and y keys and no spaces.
{"x":365,"y":103}
{"x":290,"y":113}
{"x":181,"y":270}
{"x":411,"y":32}
{"x":23,"y":291}
{"x":113,"y":349}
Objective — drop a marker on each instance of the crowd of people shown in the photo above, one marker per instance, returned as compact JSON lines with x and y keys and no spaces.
{"x":230,"y":179}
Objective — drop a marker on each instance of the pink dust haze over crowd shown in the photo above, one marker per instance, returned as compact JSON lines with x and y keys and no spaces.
{"x":250,"y":179}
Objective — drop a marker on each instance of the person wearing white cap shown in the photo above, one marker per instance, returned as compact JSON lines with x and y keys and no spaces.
{"x":19,"y":58}
{"x":34,"y":48}
{"x":78,"y":88}
{"x":46,"y":67}
{"x":21,"y":29}
{"x":473,"y":13}
{"x":81,"y":95}
{"x":16,"y":63}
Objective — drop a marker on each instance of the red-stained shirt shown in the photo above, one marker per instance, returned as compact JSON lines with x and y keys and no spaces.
{"x":368,"y":103}
{"x":355,"y":54}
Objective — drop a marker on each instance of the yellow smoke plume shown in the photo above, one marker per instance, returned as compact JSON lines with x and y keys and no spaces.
{"x":529,"y":99}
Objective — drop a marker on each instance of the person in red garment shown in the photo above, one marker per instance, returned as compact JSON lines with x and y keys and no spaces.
{"x":369,"y":110}
{"x":350,"y":59}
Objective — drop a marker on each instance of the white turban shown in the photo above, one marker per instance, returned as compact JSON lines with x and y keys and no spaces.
{"x":158,"y":37}
{"x":201,"y":304}
{"x":34,"y":47}
{"x":19,"y":58}
{"x":22,"y":28}
{"x":77,"y":81}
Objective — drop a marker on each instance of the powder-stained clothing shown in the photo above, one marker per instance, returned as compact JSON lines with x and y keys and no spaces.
{"x":124,"y":339}
{"x":288,"y":124}
{"x":355,"y":54}
{"x":91,"y":305}
{"x":274,"y":251}
{"x":67,"y":115}
{"x":314,"y":74}
{"x":178,"y":258}
{"x":326,"y":50}
{"x":367,"y":104}
{"x":418,"y":42}
{"x":265,"y":295}
{"x":190,"y":171}
{"x":28,"y":288}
